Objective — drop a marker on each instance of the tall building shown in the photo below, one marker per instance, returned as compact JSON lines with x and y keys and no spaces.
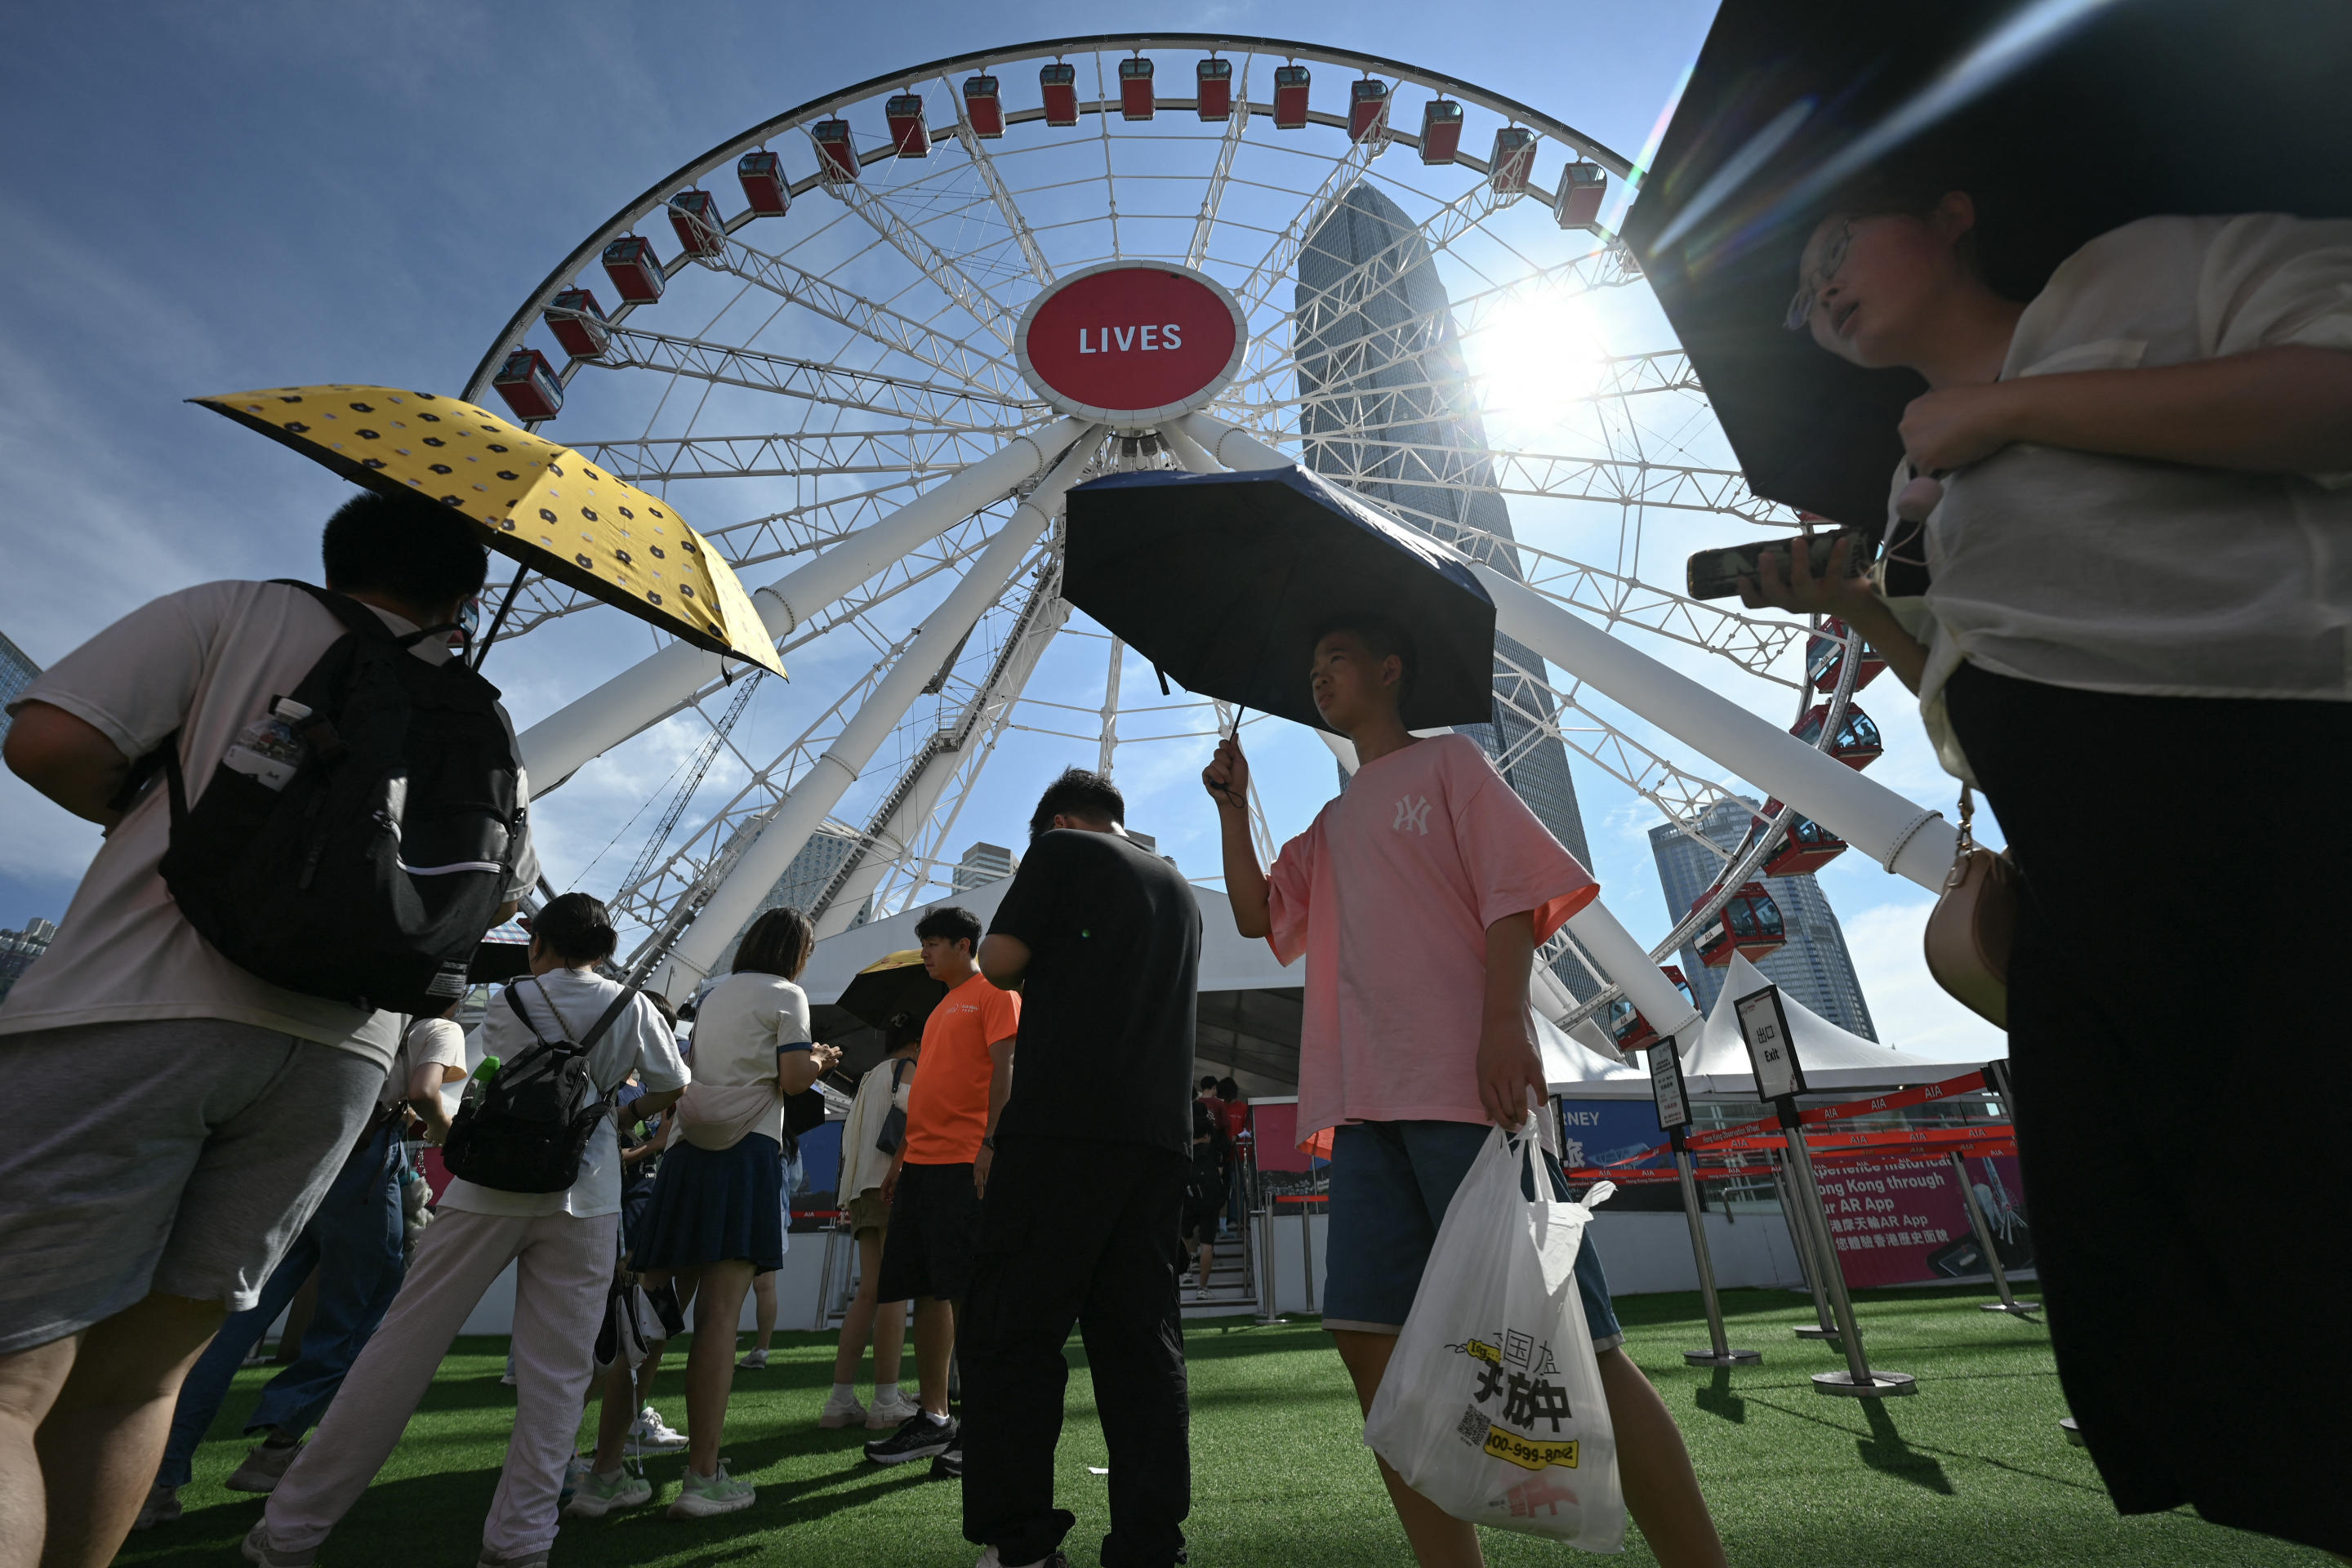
{"x":19,"y":947}
{"x":17,"y":672}
{"x":804,"y":881}
{"x":1814,"y":966}
{"x":1377,"y":349}
{"x":983,"y":864}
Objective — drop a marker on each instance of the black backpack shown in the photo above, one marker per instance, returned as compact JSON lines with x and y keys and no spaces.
{"x":369,"y":878}
{"x":529,"y":1128}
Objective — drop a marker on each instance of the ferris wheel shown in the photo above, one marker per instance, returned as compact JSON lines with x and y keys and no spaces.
{"x":813,"y":338}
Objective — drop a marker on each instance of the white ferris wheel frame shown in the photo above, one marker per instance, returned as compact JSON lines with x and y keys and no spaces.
{"x":965,"y":421}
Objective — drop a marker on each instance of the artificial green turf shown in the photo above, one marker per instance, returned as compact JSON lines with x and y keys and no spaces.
{"x":1973,"y":1471}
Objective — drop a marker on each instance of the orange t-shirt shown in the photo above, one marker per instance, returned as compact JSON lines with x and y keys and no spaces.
{"x":947,"y":1112}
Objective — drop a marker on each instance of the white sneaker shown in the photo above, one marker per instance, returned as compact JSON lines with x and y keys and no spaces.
{"x":840,"y":1410}
{"x":889,"y":1414}
{"x":753,"y":1360}
{"x":260,"y":1550}
{"x":650,"y":1431}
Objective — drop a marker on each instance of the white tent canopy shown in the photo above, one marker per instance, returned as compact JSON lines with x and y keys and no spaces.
{"x":1832,"y":1058}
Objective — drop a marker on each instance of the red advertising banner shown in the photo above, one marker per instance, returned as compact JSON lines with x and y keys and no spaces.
{"x":1901,"y":1223}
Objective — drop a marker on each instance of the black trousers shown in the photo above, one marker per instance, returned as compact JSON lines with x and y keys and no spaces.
{"x":1084,"y":1233}
{"x":2179,"y":1044}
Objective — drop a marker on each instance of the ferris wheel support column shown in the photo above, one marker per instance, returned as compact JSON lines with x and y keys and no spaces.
{"x":1605,"y":941}
{"x":654,"y":688}
{"x":1897,"y":833}
{"x":822,"y":787}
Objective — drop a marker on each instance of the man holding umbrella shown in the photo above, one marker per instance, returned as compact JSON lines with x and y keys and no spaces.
{"x":1417,"y":898}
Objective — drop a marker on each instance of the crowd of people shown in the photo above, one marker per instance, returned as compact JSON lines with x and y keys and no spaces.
{"x":2182,"y":382}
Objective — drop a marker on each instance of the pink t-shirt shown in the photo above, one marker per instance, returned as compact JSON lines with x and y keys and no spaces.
{"x":1389,"y":896}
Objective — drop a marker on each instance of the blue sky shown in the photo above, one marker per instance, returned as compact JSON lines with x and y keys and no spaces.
{"x":243,"y":194}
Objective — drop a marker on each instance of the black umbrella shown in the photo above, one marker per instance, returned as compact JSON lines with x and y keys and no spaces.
{"x":2119,"y":110}
{"x":1221,"y":581}
{"x":891,"y":985}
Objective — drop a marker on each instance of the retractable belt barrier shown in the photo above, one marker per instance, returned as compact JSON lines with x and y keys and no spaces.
{"x":1766,"y":1133}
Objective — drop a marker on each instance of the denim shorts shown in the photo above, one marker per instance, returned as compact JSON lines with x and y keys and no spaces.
{"x":1390,"y":1182}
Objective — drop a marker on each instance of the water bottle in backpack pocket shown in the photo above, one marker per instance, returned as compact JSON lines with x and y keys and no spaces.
{"x":269,"y":750}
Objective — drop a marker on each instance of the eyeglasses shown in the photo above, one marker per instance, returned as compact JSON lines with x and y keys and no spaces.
{"x":1810,"y":284}
{"x":469,"y":619}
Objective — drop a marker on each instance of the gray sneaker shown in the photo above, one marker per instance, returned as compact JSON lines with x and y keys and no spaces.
{"x":598,"y":1495}
{"x":162,"y":1506}
{"x":264,"y":1468}
{"x":259,"y":1549}
{"x":703,"y":1496}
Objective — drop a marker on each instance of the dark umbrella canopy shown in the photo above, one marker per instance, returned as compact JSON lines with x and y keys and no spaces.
{"x":2146,"y":107}
{"x":891,"y":985}
{"x":1222,"y":581}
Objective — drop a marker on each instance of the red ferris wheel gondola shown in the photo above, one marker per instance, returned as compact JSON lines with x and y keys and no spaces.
{"x":1059,"y":82}
{"x":1214,"y":82}
{"x":1825,"y":653}
{"x":635,"y":270}
{"x":1513,"y":165}
{"x":1631,"y":1030}
{"x":527,"y":383}
{"x":909,"y":132}
{"x":1581,"y":186}
{"x":1441,"y":130}
{"x":836,"y":154}
{"x":1290,"y":97}
{"x":983,"y":108}
{"x":1809,"y":846}
{"x":1368,"y":109}
{"x":765,"y":189}
{"x":1135,"y":88}
{"x":577,"y":322}
{"x":1748,"y":924}
{"x":694,"y":218}
{"x":1857,"y":742}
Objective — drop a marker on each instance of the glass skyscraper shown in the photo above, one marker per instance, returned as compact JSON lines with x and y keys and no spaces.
{"x":17,"y":672}
{"x":1375,"y":336}
{"x":1814,"y":967}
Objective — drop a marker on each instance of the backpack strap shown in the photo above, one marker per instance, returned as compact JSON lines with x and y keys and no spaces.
{"x":360,"y":618}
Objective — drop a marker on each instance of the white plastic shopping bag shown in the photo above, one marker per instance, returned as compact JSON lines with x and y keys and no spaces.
{"x":1492,"y":1407}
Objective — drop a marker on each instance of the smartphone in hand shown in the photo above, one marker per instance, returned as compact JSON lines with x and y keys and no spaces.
{"x":1715,"y":573}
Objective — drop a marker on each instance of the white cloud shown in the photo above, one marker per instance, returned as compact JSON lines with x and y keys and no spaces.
{"x":1911,"y":1011}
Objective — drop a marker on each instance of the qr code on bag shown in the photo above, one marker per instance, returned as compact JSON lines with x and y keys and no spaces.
{"x":1473,"y":1427}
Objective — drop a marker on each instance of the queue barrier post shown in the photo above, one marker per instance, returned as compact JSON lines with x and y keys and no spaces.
{"x":1779,"y":1080}
{"x":1801,"y":1239}
{"x":2009,"y":1302}
{"x":1673,"y":1101}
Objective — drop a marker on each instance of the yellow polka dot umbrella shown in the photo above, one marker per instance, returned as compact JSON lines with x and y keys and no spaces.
{"x":541,"y":504}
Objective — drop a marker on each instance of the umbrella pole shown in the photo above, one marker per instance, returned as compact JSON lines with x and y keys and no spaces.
{"x":499,"y":620}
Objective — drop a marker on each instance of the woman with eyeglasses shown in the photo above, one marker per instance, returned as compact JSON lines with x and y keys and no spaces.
{"x":2120,"y":582}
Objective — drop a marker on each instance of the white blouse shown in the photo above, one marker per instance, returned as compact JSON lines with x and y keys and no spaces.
{"x":740,"y":1025}
{"x":2123,"y":575}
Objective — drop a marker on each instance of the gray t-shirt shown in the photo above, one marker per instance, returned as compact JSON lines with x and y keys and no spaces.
{"x":205,"y":661}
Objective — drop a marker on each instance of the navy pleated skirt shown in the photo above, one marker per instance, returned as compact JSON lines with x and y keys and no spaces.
{"x":713,"y":1207}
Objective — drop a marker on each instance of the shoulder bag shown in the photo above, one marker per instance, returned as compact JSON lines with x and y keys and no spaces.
{"x":1973,"y":924}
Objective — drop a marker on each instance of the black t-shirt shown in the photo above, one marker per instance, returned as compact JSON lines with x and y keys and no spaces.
{"x":1108,"y":1006}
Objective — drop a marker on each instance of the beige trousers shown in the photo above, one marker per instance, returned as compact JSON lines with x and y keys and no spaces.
{"x":564,"y":1269}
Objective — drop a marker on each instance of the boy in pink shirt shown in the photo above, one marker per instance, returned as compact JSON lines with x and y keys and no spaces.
{"x":1418,"y":898}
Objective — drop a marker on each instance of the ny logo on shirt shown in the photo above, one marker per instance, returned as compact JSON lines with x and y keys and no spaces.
{"x":1412,"y":812}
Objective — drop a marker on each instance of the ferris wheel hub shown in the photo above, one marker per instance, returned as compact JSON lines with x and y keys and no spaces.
{"x":1132,"y":344}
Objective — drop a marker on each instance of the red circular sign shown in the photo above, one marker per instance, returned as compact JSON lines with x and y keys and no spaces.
{"x":1131,"y":340}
